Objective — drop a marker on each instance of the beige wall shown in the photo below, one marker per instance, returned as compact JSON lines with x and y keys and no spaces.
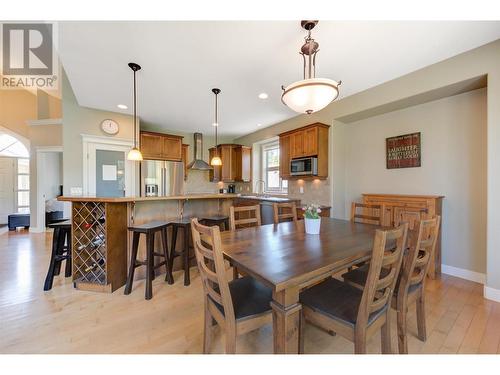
{"x":418,"y":87}
{"x":453,"y":132}
{"x":80,"y":120}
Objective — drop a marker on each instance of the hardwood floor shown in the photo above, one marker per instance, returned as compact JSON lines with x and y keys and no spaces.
{"x":64,"y":320}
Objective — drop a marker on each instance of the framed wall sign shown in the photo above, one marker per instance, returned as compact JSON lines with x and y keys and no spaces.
{"x":403,"y":151}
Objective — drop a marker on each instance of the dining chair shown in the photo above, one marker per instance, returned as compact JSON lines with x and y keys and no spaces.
{"x":367,"y":213}
{"x":244,"y":216}
{"x":411,"y":281}
{"x":238,"y":306}
{"x":284,"y":212}
{"x":355,"y":314}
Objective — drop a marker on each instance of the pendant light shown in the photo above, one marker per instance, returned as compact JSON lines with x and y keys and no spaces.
{"x":135,"y":154}
{"x":216,"y":160}
{"x":310,"y":94}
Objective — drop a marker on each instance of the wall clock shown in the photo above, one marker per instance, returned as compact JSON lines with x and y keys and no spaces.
{"x":110,"y":127}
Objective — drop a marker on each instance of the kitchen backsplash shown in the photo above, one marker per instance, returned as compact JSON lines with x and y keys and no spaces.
{"x":198,"y":182}
{"x":315,"y":191}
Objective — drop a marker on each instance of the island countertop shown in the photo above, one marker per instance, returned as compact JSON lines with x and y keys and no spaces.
{"x":142,"y":199}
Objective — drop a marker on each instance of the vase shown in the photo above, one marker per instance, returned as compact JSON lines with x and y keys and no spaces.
{"x":312,"y":225}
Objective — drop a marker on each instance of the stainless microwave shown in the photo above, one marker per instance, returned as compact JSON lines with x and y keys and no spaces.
{"x":304,"y":166}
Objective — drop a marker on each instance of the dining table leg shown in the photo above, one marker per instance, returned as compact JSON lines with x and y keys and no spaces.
{"x":286,"y":318}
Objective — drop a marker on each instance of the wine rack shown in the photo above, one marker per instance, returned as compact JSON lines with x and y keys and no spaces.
{"x":89,"y":228}
{"x":99,"y":245}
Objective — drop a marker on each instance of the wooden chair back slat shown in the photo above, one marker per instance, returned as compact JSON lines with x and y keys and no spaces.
{"x":420,"y":255}
{"x":410,"y":215}
{"x":284,"y":211}
{"x":367,"y":213}
{"x":378,"y":289}
{"x":244,"y":216}
{"x":211,"y":266}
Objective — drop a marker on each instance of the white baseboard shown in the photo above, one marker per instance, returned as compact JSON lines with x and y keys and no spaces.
{"x":491,"y":293}
{"x":464,"y":274}
{"x":37,"y":230}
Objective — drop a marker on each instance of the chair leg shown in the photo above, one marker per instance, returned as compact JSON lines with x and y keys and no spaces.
{"x":386,"y":334}
{"x":207,"y":332}
{"x":359,"y":341}
{"x":302,"y":323}
{"x":402,"y":330}
{"x":422,"y":330}
{"x":230,"y":339}
{"x":60,"y":239}
{"x":68,"y":271}
{"x":52,"y":265}
{"x":150,"y":240}
{"x":152,"y":267}
{"x":172,"y":248}
{"x":187,"y":280}
{"x":235,"y":273}
{"x":168,"y":277}
{"x":133,"y":258}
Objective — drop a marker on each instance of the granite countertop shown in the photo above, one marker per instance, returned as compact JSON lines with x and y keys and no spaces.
{"x":269,"y":198}
{"x":142,"y":199}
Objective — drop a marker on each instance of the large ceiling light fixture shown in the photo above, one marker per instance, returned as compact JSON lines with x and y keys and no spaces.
{"x":216,"y":160}
{"x":135,"y":153}
{"x":310,"y":94}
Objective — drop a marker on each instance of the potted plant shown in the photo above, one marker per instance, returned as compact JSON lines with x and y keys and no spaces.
{"x":312,"y":219}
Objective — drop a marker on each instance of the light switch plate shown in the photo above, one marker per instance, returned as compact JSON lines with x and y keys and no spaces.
{"x":76,"y":191}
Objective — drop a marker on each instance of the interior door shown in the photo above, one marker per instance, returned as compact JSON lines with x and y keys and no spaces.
{"x":110,"y":173}
{"x":6,"y":188}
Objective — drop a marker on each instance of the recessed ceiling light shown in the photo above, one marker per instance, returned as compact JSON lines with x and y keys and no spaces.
{"x":259,"y":124}
{"x":215,"y":124}
{"x":122,"y":106}
{"x":263,"y":95}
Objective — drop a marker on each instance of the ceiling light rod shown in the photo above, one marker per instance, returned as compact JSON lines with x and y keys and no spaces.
{"x":309,"y":48}
{"x":216,"y":160}
{"x":135,"y":153}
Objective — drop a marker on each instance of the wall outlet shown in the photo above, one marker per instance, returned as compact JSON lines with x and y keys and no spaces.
{"x":76,"y":191}
{"x":301,"y":189}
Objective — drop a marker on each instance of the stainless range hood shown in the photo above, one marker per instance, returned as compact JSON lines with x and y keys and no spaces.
{"x":198,"y":163}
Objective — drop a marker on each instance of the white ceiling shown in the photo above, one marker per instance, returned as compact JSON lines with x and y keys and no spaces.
{"x":183,"y":61}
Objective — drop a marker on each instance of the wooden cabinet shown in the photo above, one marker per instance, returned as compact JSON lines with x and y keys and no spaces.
{"x":241,"y":163}
{"x":236,"y":163}
{"x":424,"y":206}
{"x":285,"y":157}
{"x":158,"y":146}
{"x":185,"y":159}
{"x":311,"y":140}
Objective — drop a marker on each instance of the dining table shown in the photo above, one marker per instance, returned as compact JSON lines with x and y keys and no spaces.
{"x":287,"y":259}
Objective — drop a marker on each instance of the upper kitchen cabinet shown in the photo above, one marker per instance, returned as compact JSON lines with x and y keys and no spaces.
{"x":308,"y":141}
{"x":236,"y":163}
{"x":158,"y":146}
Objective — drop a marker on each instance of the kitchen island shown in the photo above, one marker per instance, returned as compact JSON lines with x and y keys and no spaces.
{"x":101,"y":242}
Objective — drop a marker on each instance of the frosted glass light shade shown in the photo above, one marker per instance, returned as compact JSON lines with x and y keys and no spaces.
{"x":310,"y":95}
{"x":216,"y":161}
{"x":134,"y":155}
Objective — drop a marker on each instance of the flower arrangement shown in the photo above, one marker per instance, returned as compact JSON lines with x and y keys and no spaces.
{"x":311,"y":211}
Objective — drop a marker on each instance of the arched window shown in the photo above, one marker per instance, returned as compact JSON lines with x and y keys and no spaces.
{"x":10,"y":146}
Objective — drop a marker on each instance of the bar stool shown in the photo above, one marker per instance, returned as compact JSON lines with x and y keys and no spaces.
{"x":61,"y":250}
{"x":185,"y":225}
{"x":220,"y":220}
{"x":149,"y":229}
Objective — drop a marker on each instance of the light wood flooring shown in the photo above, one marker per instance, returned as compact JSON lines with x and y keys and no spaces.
{"x":65,"y":320}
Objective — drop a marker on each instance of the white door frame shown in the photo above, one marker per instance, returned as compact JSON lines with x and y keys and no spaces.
{"x":91,"y":144}
{"x":40,"y":201}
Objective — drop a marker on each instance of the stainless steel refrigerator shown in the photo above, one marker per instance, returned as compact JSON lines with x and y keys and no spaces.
{"x":162,"y":178}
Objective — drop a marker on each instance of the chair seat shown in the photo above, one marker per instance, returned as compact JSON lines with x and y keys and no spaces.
{"x":61,"y":224}
{"x":149,"y":226}
{"x":359,"y":275}
{"x":249,"y":296}
{"x":215,"y":218}
{"x":185,"y":221}
{"x":337,"y":300}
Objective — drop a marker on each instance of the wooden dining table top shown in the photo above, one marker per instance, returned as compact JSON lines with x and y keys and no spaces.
{"x":283,"y":255}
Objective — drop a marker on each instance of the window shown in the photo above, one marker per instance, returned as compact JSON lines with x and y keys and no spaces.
{"x":23,"y":186}
{"x":271,"y":169}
